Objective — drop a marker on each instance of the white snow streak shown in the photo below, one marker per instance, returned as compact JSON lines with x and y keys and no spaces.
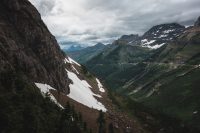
{"x":161,"y":36}
{"x":45,"y":89}
{"x":71,"y":61}
{"x":146,"y":42}
{"x":154,"y":46}
{"x":75,"y":69}
{"x":101,"y":89}
{"x":80,"y":91}
{"x":168,"y":31}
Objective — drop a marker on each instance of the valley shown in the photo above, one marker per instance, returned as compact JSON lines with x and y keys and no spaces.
{"x":138,"y":83}
{"x":164,"y":79}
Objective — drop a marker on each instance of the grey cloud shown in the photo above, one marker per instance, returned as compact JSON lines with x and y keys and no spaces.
{"x":44,"y":6}
{"x":90,"y":21}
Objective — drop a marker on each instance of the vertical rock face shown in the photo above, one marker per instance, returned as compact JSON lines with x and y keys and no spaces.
{"x":197,"y":23}
{"x":27,"y":46}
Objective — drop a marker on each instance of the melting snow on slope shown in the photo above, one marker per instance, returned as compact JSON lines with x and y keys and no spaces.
{"x":154,"y":46}
{"x":161,"y":36}
{"x":71,"y":61}
{"x":146,"y":43}
{"x":45,"y":89}
{"x":101,"y":89}
{"x":75,"y":69}
{"x":168,"y":31}
{"x":80,"y":92}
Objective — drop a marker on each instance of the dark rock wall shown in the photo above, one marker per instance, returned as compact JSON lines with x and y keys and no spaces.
{"x":26,"y":45}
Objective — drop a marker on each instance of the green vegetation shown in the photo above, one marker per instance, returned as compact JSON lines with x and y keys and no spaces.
{"x":24,"y":110}
{"x":86,"y":72}
{"x":162,"y":85}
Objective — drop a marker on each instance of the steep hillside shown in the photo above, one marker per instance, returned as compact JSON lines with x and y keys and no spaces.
{"x":42,"y":89}
{"x":116,"y":64}
{"x":170,"y":86}
{"x":27,"y":47}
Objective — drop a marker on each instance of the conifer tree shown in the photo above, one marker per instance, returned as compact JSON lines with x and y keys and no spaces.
{"x":110,"y":128}
{"x":101,"y":122}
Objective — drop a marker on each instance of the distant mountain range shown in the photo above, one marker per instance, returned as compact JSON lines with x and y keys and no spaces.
{"x":83,"y":55}
{"x":73,"y":48}
{"x":154,"y":38}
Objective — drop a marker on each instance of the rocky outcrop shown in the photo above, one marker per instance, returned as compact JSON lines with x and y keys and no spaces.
{"x":27,"y":46}
{"x":197,"y":23}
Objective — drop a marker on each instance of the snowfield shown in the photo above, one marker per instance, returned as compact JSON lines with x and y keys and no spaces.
{"x":44,"y":88}
{"x":101,"y":89}
{"x":80,"y":91}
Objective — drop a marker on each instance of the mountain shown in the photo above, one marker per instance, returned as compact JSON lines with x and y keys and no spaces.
{"x":127,"y":39}
{"x":165,"y":80}
{"x":155,"y":37}
{"x":32,"y":52}
{"x":73,"y":48}
{"x":85,"y":54}
{"x":136,"y":47}
{"x":162,"y":34}
{"x":42,"y":89}
{"x":169,"y":79}
{"x":119,"y":57}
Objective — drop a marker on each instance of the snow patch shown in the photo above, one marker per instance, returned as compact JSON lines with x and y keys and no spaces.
{"x":154,"y":46}
{"x":45,"y":89}
{"x":146,"y":42}
{"x":71,"y":61}
{"x":161,"y":36}
{"x":101,"y":89}
{"x":66,"y":61}
{"x":167,"y":31}
{"x":80,"y":91}
{"x":195,"y":112}
{"x":75,"y":69}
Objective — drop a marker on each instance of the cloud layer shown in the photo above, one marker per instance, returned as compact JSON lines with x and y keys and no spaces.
{"x":90,"y":21}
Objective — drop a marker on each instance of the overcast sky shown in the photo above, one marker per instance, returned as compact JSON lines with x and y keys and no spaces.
{"x":87,"y":22}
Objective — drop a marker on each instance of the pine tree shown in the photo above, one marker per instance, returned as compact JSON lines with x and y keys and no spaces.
{"x":65,"y":120}
{"x":101,"y":122}
{"x":110,"y":128}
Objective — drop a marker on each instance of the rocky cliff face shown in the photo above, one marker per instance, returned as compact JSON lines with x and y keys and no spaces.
{"x":26,"y":46}
{"x":197,"y":23}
